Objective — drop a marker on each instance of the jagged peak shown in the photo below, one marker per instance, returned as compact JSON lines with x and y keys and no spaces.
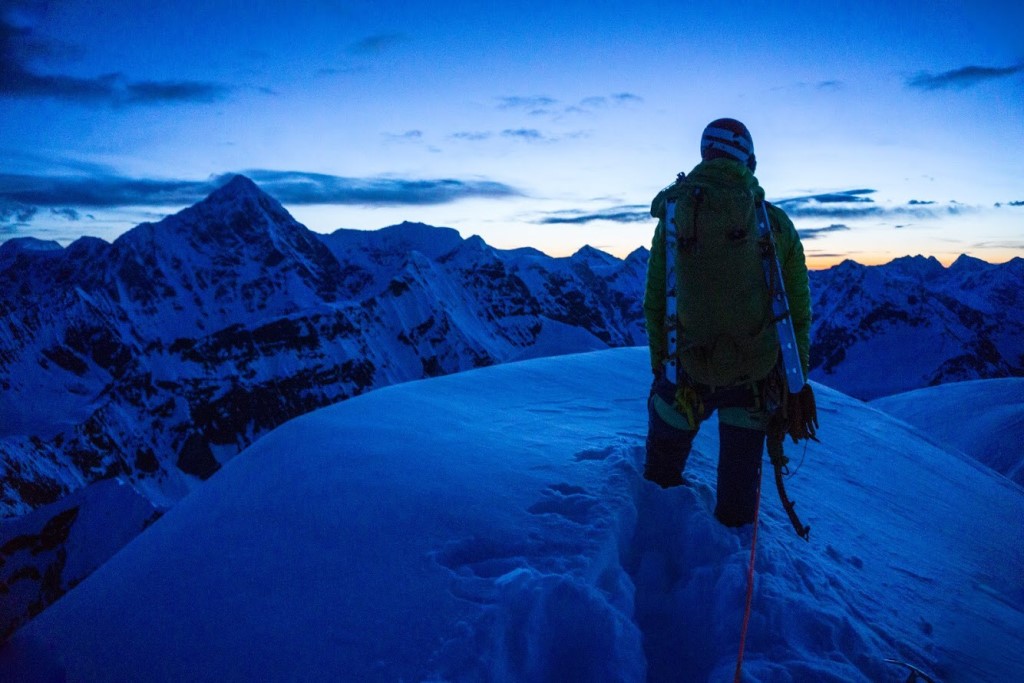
{"x":239,"y":184}
{"x":590,"y":254}
{"x":917,"y":265}
{"x":966,"y":262}
{"x":471,"y":250}
{"x":639,"y":254}
{"x":916,"y":258}
{"x":239,"y":190}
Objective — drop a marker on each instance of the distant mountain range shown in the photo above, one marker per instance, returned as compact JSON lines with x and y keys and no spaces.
{"x":913,"y":323}
{"x":157,"y":358}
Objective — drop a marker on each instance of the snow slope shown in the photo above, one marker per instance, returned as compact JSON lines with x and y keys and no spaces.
{"x":983,"y":418}
{"x":46,"y":552}
{"x":492,"y":525}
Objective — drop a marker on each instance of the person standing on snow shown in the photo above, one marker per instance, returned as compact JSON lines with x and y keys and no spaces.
{"x":727,"y":356}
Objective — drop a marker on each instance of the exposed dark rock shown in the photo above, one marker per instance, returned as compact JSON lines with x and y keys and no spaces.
{"x":196,"y":458}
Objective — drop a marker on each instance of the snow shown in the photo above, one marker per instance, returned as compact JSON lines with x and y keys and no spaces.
{"x":493,"y":525}
{"x":982,"y":418}
{"x":39,"y":556}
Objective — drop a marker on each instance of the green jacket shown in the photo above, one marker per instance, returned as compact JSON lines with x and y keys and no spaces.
{"x":791,"y":258}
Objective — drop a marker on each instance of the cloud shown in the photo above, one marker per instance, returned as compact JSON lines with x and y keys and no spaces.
{"x":845,"y":204}
{"x":155,"y":92}
{"x":1004,"y":244}
{"x":19,"y":48}
{"x":288,"y":187}
{"x":376,"y":44}
{"x":599,"y":101}
{"x":527,"y":134}
{"x":814,"y":233}
{"x":472,"y":136}
{"x":633,"y":213}
{"x":535,"y":105}
{"x":826,"y":85}
{"x":67,"y":214}
{"x":407,"y":136}
{"x":626,"y":98}
{"x":297,"y":187}
{"x":962,"y":78}
{"x":1001,"y":204}
{"x":544,"y":105}
{"x":16,"y":214}
{"x":853,"y":204}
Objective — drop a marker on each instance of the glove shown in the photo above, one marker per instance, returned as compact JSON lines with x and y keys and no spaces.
{"x":803,"y":415}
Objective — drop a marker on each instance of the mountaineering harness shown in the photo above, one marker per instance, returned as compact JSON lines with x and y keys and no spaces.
{"x":785,"y":381}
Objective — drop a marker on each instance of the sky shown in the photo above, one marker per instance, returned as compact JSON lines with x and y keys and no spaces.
{"x":515,"y":540}
{"x":882,"y":130}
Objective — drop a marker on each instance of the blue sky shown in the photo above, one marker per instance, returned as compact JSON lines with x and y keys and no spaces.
{"x":882,"y":131}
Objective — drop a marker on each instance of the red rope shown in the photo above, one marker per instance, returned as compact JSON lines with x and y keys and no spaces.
{"x":750,"y":584}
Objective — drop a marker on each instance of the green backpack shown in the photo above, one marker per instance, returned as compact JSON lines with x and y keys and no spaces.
{"x":725,"y":327}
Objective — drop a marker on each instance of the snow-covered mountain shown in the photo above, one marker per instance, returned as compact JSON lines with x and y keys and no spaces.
{"x":982,"y":418}
{"x":159,"y":357}
{"x":155,"y":359}
{"x":493,"y":525}
{"x":912,"y":323}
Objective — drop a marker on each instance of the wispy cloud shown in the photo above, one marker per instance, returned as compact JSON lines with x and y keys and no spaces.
{"x":632,"y":213}
{"x":19,"y":78}
{"x":854,"y":204}
{"x":407,"y":136}
{"x":289,"y":187}
{"x":15,"y":214}
{"x":526,"y":134}
{"x":826,"y":85}
{"x":845,"y":204}
{"x":534,"y":105}
{"x":814,"y":233}
{"x":67,"y":214}
{"x":377,"y":44}
{"x":539,"y":105}
{"x":472,"y":136}
{"x":962,"y":78}
{"x":1003,"y":244}
{"x":297,"y":187}
{"x":1015,"y":203}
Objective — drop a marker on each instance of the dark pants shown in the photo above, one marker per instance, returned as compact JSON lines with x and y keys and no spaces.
{"x":739,"y":457}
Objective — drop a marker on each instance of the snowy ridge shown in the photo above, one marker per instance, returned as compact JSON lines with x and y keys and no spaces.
{"x":982,"y":418}
{"x":912,"y":323}
{"x":499,"y":530}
